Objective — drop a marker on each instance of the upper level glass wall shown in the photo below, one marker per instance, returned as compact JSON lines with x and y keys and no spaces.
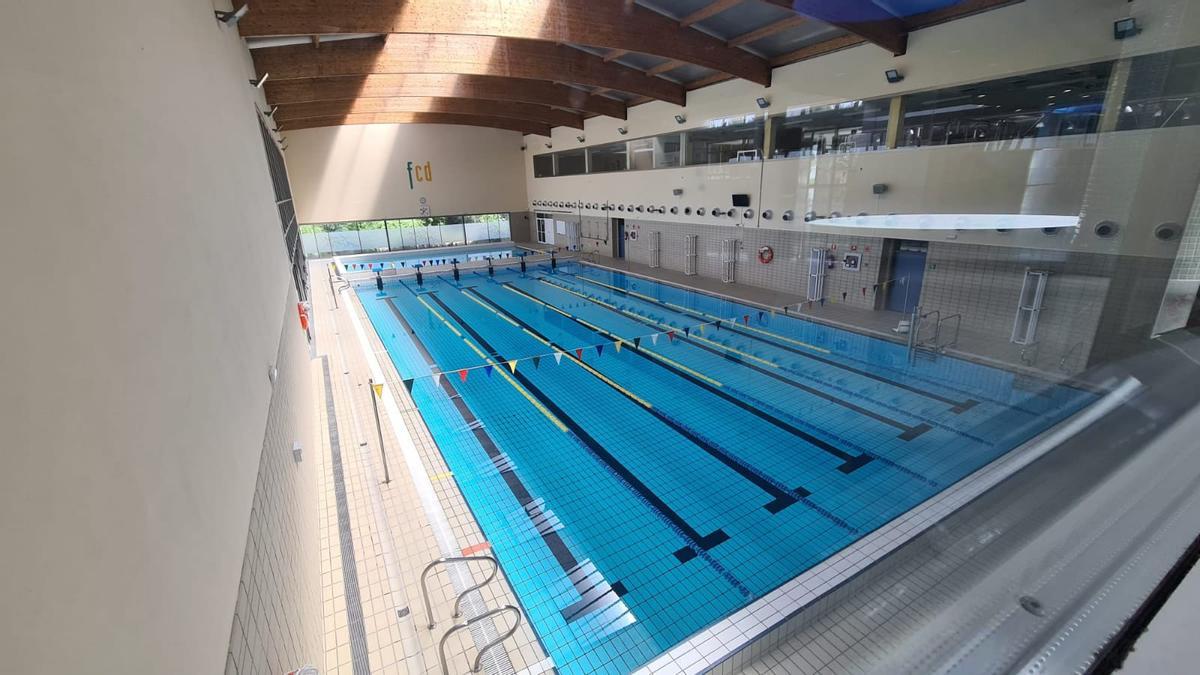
{"x":656,"y":152}
{"x":730,"y":139}
{"x":852,"y":126}
{"x":378,"y":236}
{"x":607,"y":157}
{"x":543,"y":165}
{"x":571,"y":162}
{"x":1162,"y":90}
{"x":1063,"y":102}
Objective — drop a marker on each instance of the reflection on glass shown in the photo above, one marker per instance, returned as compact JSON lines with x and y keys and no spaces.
{"x":852,"y":126}
{"x":607,"y":157}
{"x":732,"y":139}
{"x":1062,"y":102}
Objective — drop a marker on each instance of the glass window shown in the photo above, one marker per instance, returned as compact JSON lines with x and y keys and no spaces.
{"x":486,"y":227}
{"x":731,"y":139}
{"x":1060,"y":102}
{"x":571,"y":162}
{"x":607,"y":157}
{"x":654,"y":153}
{"x":1162,"y":90}
{"x":543,"y":165}
{"x":852,"y":126}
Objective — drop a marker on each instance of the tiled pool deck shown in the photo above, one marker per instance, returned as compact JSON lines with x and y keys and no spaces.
{"x":393,"y":535}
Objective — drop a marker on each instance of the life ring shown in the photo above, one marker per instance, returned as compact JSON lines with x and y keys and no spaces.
{"x":765,"y":255}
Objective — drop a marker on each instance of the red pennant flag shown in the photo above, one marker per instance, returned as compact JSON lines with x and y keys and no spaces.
{"x":579,"y":353}
{"x":462,"y":375}
{"x":671,"y":335}
{"x":746,"y":318}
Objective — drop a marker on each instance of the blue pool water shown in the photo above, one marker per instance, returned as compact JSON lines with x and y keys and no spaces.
{"x":636,"y":495}
{"x":438,"y":256}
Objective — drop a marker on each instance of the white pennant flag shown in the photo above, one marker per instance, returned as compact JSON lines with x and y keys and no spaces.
{"x":558,"y":357}
{"x":654,"y":338}
{"x":437,"y":379}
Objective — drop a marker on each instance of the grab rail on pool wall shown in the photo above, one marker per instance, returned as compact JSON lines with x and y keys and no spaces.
{"x":458,"y":600}
{"x":467,"y":624}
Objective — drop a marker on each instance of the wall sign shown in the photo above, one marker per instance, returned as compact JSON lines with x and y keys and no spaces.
{"x":851,"y":261}
{"x":425,"y":209}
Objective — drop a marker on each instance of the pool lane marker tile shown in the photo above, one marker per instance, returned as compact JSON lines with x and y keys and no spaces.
{"x":473,"y":549}
{"x":554,"y":542}
{"x":695,"y":540}
{"x":781,"y":496}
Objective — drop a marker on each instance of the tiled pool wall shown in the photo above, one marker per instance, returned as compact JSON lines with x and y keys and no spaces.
{"x":1095,"y":303}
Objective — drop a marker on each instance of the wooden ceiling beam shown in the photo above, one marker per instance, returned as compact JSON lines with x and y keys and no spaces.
{"x":863,"y":18}
{"x":767,"y":30}
{"x":460,"y":54}
{"x":710,"y":10}
{"x":614,"y":54}
{"x":425,"y":104}
{"x":421,"y":118}
{"x":664,"y":67}
{"x":606,"y":24}
{"x":480,"y":87}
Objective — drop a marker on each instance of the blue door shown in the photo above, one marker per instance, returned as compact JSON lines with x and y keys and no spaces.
{"x":908,"y":271}
{"x":620,"y":237}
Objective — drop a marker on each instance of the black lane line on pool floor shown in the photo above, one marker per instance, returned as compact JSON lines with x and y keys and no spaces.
{"x":906,"y":436}
{"x":850,"y":462}
{"x":957,"y":407}
{"x":591,"y":588}
{"x":907,"y":432}
{"x":782,"y":496}
{"x":694,"y":538}
{"x":355,"y":625}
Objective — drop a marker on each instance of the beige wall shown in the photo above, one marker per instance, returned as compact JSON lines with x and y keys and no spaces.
{"x":360,"y":172}
{"x":143,"y":291}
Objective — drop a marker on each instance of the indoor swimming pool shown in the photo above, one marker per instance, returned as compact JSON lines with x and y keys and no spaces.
{"x":429,"y":257}
{"x":645,"y":460}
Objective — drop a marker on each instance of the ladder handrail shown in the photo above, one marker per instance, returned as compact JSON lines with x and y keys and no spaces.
{"x":466,"y":624}
{"x":457,"y":600}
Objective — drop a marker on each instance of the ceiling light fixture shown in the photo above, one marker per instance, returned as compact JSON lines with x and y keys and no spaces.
{"x":579,"y":138}
{"x":763,"y":102}
{"x":622,"y":130}
{"x":680,"y":119}
{"x":231,"y":18}
{"x":893,"y":76}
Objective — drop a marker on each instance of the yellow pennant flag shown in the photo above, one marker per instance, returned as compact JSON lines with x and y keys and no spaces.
{"x":700,"y":328}
{"x":512,"y":365}
{"x":378,"y":389}
{"x":617,"y":344}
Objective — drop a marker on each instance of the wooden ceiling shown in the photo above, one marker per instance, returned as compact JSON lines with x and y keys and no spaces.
{"x":528,"y":65}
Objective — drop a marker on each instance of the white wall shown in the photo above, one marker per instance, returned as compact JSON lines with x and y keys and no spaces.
{"x":143,"y":290}
{"x":360,"y":172}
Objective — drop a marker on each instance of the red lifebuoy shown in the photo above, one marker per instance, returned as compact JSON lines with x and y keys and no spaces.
{"x":765,"y":255}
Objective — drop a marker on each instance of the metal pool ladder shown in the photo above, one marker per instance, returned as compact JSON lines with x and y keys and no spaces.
{"x":495,"y":568}
{"x":933,"y":346}
{"x":486,"y":648}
